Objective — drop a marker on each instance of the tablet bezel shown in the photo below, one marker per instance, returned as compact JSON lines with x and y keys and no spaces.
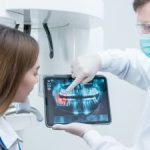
{"x":46,"y":106}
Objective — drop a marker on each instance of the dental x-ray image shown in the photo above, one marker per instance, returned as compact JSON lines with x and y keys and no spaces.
{"x":86,"y":103}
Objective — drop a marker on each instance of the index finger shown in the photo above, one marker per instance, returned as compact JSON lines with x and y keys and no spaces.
{"x":77,"y":80}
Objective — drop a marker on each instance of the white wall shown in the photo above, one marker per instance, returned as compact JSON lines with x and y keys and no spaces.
{"x":126,"y":100}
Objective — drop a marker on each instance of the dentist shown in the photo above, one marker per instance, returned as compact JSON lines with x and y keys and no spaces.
{"x":18,"y":75}
{"x":130,"y":65}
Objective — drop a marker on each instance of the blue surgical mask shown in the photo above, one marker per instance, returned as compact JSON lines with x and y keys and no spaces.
{"x":145,"y":44}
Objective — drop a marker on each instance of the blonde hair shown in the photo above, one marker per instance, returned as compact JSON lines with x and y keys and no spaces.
{"x":18,"y":53}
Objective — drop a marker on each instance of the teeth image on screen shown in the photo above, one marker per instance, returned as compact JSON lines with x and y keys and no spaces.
{"x":83,"y":99}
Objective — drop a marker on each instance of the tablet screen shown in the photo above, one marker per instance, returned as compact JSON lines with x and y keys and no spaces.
{"x":86,"y":103}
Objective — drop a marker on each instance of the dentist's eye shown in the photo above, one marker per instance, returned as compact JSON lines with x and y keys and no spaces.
{"x":144,"y":28}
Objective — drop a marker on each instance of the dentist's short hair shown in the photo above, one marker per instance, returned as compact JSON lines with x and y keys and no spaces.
{"x":139,"y":3}
{"x":18,"y":54}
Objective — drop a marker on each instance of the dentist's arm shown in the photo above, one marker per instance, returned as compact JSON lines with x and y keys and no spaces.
{"x":91,"y":136}
{"x":130,"y":65}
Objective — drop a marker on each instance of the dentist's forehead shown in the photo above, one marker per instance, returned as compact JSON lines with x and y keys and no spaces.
{"x":143,"y":13}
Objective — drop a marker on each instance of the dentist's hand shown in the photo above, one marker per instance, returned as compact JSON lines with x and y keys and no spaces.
{"x":84,"y":69}
{"x":78,"y":129}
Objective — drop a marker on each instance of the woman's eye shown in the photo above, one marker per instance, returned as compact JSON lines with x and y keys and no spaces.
{"x":36,"y":73}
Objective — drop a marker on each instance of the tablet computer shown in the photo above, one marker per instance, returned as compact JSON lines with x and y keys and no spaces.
{"x":86,"y":103}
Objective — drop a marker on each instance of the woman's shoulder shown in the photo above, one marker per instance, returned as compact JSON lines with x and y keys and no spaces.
{"x":7,"y":134}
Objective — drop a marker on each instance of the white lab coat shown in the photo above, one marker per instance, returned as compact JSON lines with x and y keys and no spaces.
{"x":133,"y":66}
{"x":8,"y":136}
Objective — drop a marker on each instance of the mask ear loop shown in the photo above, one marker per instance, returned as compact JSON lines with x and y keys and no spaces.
{"x":139,"y":29}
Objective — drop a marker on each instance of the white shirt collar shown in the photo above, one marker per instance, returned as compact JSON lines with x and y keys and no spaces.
{"x":7,"y":134}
